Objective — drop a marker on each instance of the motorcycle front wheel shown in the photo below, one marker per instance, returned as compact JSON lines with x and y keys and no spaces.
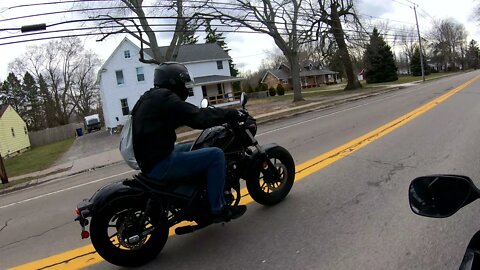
{"x":266,"y":190}
{"x":123,"y":234}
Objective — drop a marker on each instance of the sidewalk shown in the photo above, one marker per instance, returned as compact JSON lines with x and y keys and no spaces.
{"x":262,"y":112}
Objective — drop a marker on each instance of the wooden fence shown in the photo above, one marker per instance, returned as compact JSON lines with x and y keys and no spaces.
{"x":55,"y":134}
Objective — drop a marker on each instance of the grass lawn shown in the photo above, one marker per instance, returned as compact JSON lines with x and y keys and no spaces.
{"x":36,"y":159}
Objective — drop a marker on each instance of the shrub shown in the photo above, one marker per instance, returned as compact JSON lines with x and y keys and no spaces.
{"x":249,"y":89}
{"x":263,"y":87}
{"x":280,"y":90}
{"x":272,"y":92}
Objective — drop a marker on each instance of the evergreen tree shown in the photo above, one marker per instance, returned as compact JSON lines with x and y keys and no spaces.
{"x":34,"y":114}
{"x":214,"y":37}
{"x":12,"y":94}
{"x":189,"y":37}
{"x":379,"y":60}
{"x":473,"y":55}
{"x":415,"y":66}
{"x":48,"y":103}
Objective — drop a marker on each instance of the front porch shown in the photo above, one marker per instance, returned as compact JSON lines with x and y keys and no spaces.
{"x":219,"y":89}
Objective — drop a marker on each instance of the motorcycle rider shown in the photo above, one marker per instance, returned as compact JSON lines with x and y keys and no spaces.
{"x":157,"y":114}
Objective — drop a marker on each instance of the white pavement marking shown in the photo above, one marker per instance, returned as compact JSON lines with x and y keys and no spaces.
{"x":65,"y":189}
{"x":337,"y":112}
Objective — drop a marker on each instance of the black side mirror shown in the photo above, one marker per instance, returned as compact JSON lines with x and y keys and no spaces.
{"x":441,"y":196}
{"x":243,"y":99}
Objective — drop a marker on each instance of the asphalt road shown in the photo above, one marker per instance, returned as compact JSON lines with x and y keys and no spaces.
{"x":352,"y":214}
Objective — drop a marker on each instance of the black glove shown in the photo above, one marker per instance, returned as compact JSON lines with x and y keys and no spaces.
{"x":237,"y":115}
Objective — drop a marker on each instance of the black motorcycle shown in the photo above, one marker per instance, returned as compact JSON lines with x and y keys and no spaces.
{"x":130,"y":219}
{"x":440,"y":196}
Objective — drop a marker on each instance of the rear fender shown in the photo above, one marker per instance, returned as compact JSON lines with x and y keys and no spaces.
{"x":114,"y":191}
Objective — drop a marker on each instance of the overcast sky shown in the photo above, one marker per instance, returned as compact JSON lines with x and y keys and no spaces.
{"x":248,"y":50}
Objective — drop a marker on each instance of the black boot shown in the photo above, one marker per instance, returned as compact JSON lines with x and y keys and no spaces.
{"x":228,"y":213}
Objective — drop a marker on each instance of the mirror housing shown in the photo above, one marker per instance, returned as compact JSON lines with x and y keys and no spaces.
{"x":441,"y":196}
{"x":204,"y":104}
{"x":243,"y":99}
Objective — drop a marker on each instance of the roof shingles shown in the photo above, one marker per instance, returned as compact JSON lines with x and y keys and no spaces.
{"x":196,"y":52}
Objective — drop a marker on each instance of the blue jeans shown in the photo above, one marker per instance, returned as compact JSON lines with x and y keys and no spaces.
{"x":183,"y":163}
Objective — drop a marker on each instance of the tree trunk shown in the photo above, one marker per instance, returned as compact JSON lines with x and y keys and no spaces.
{"x":293,"y":61}
{"x":337,"y":30}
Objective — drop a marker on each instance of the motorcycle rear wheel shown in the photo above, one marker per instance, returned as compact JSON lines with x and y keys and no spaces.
{"x":272,"y":191}
{"x":122,"y":218}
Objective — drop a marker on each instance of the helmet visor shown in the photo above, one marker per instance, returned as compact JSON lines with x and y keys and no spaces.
{"x":185,"y":78}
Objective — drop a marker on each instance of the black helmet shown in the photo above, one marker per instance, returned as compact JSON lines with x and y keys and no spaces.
{"x":174,"y":77}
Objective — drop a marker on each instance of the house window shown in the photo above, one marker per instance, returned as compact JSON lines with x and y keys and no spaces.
{"x":25,"y":129}
{"x":140,"y":74}
{"x":124,"y":104}
{"x":126,"y":54}
{"x":119,"y":74}
{"x":204,"y":90}
{"x":219,"y":88}
{"x":219,"y":65}
{"x":13,"y":132}
{"x":190,"y":92}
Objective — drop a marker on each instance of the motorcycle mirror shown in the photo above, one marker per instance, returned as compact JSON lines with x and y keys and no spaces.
{"x":204,"y":103}
{"x":441,"y":196}
{"x":243,"y":99}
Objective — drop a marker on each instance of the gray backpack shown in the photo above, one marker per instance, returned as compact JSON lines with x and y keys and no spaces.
{"x":126,"y":138}
{"x":126,"y":144}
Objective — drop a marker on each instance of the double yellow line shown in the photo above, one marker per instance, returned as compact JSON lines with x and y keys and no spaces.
{"x":86,"y":256}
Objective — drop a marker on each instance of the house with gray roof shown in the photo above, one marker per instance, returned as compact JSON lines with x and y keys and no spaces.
{"x":311,"y":75}
{"x":123,"y":78}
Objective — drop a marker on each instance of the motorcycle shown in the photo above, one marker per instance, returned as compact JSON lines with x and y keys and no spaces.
{"x":440,"y":196}
{"x":130,"y":219}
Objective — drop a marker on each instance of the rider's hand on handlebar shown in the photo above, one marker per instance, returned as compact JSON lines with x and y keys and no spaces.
{"x":237,"y":115}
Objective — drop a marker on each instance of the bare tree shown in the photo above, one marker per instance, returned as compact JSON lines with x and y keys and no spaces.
{"x":327,"y":17}
{"x":142,"y":21}
{"x":282,"y":20}
{"x":85,"y":94}
{"x":449,"y":38}
{"x":66,"y":71}
{"x":408,"y":43}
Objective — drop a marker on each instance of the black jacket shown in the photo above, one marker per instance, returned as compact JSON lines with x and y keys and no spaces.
{"x":156,"y":116}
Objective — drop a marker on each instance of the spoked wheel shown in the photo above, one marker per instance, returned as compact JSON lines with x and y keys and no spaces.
{"x":267,"y":189}
{"x":123,"y":235}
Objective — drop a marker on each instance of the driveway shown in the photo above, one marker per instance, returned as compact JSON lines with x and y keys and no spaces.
{"x":90,"y":144}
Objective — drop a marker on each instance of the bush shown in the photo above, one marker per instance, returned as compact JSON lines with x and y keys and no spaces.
{"x":280,"y":90}
{"x":249,"y":89}
{"x":263,"y":87}
{"x":272,"y":92}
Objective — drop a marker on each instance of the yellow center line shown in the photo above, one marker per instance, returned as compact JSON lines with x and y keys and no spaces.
{"x":86,"y":256}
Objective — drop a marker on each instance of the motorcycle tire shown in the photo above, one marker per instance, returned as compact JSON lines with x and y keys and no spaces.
{"x":125,"y":214}
{"x":273,"y":193}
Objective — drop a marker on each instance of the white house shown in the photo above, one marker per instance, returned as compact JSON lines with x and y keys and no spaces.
{"x":123,"y":78}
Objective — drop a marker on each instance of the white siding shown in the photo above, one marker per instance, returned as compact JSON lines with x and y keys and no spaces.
{"x":207,"y":69}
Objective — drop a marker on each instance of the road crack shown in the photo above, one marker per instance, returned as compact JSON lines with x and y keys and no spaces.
{"x":6,"y":224}
{"x":36,"y":235}
{"x":396,"y":166}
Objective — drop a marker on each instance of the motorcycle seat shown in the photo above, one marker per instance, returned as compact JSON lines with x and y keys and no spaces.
{"x":162,"y":185}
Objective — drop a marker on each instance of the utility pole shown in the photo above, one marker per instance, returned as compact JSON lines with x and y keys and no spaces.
{"x":3,"y":172}
{"x":419,"y":41}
